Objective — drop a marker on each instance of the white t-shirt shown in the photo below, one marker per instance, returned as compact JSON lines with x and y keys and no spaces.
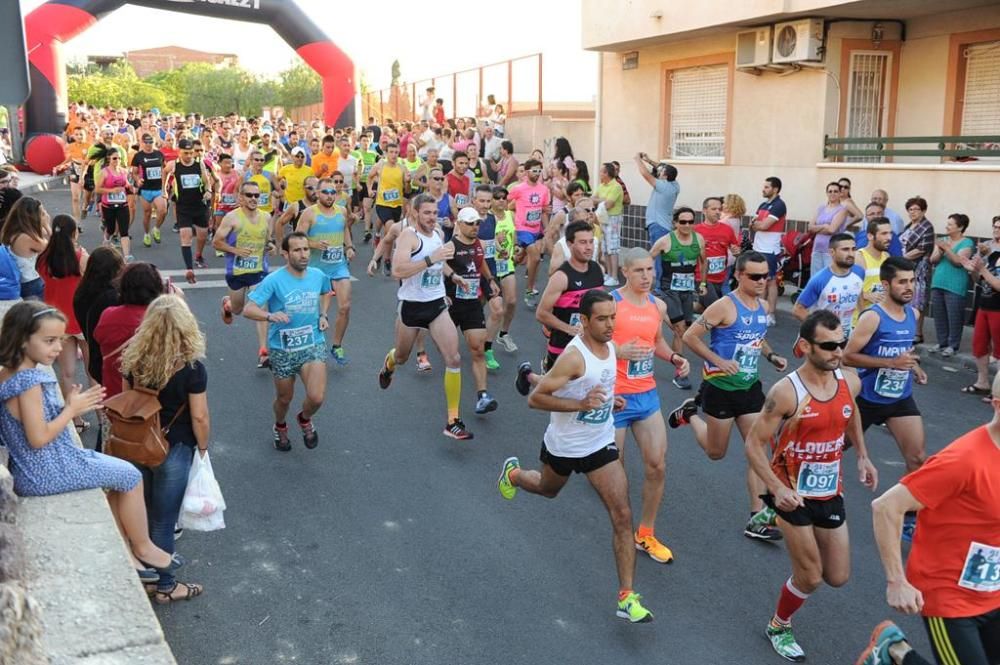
{"x":839,"y":294}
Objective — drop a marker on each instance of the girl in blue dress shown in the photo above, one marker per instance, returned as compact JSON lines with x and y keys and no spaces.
{"x":34,"y":426}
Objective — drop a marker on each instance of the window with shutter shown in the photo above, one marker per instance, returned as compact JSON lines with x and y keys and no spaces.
{"x":981,"y":101}
{"x":698,"y":98}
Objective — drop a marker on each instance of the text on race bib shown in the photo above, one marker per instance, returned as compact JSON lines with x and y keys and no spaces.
{"x":640,"y":369}
{"x":117,"y":197}
{"x":489,"y":249}
{"x":467,"y":293}
{"x":534,"y":216}
{"x":153,"y":173}
{"x":574,"y":319}
{"x":228,"y":199}
{"x":390,"y":194}
{"x":190,"y":180}
{"x":247,"y":263}
{"x":891,"y":383}
{"x":332,"y":255}
{"x":818,"y":480}
{"x":461,"y":200}
{"x":597,"y":416}
{"x":682,"y":281}
{"x":981,"y":571}
{"x":747,"y":356}
{"x":431,"y":278}
{"x":716,"y":264}
{"x":296,"y":339}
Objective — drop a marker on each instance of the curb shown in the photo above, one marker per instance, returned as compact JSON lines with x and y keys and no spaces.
{"x":44,"y":184}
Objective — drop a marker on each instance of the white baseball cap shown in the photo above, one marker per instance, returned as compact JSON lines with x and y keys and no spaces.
{"x":468,"y":214}
{"x":299,"y":150}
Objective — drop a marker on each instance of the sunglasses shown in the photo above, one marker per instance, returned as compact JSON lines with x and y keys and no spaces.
{"x":437,"y":178}
{"x":829,"y":346}
{"x":328,"y":192}
{"x":587,"y":209}
{"x":338,"y":182}
{"x":258,"y":159}
{"x":535,"y":171}
{"x":496,"y":198}
{"x":475,"y":223}
{"x":685,"y":222}
{"x":252,"y":195}
{"x":756,"y":276}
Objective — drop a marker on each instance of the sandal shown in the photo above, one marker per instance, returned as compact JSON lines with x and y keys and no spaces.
{"x":167,"y":597}
{"x":975,"y":390}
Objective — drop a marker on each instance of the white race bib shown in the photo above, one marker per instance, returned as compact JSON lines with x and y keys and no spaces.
{"x":890,"y":383}
{"x":153,"y":173}
{"x":716,"y":264}
{"x":818,"y":480}
{"x":228,"y":199}
{"x":489,"y":248}
{"x":190,"y":180}
{"x":682,"y":281}
{"x":597,"y":416}
{"x":461,"y":200}
{"x":471,"y":293}
{"x":640,"y":369}
{"x":389,"y":195}
{"x":295,"y":339}
{"x":981,"y":571}
{"x":748,"y":357}
{"x":431,"y":279}
{"x":332,"y":255}
{"x":117,"y":197}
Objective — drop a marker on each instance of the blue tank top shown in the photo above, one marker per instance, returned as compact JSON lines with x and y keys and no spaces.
{"x":487,"y":235}
{"x":444,"y":214}
{"x":891,"y":338}
{"x":742,"y":342}
{"x":331,"y":229}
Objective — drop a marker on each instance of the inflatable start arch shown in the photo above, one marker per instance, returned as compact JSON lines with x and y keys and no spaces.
{"x":58,"y":21}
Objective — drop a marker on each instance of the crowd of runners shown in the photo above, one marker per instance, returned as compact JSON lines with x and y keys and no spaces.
{"x":465,"y":227}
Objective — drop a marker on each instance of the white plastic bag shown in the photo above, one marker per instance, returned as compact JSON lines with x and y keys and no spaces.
{"x":203,"y":504}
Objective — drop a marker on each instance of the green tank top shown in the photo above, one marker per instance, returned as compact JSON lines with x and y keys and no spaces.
{"x":679,"y":254}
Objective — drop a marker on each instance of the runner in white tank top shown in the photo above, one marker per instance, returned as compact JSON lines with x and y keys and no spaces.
{"x":579,"y":392}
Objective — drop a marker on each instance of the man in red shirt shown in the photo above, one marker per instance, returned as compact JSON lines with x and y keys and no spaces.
{"x":952,"y":575}
{"x":719,"y":241}
{"x":459,"y":181}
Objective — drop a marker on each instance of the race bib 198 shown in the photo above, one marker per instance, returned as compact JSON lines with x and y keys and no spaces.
{"x":818,"y":480}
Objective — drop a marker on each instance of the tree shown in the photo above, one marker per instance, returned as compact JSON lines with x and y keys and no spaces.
{"x":300,"y":85}
{"x":396,"y":75}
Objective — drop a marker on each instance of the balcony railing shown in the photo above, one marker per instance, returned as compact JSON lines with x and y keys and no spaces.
{"x":956,"y":148}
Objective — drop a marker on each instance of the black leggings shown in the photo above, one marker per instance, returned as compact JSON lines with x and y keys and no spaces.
{"x":967,"y":641}
{"x":116,"y":220}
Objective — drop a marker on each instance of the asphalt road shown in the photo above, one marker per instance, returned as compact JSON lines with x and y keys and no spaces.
{"x":390,"y":545}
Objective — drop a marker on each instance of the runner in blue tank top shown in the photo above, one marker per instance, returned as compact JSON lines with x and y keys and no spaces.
{"x":881,"y":347}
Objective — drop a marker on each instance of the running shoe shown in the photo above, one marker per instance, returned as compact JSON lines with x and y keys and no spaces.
{"x":761,"y":526}
{"x":485,"y":404}
{"x":423,"y":362}
{"x":909,"y":527}
{"x":682,"y":415}
{"x":219,"y":254}
{"x":771,"y":321}
{"x":189,"y":276}
{"x":631,"y":608}
{"x":338,"y":355}
{"x":456,"y":429}
{"x":385,"y":374}
{"x":884,"y":636}
{"x":610,"y":281}
{"x":176,"y":229}
{"x":309,"y":436}
{"x":147,"y":241}
{"x":522,"y":383}
{"x":784,"y":642}
{"x":507,"y":342}
{"x":531,"y":298}
{"x":227,"y":310}
{"x":682,"y":382}
{"x":507,"y":488}
{"x":156,"y":235}
{"x":199,"y":262}
{"x":281,"y":441}
{"x":491,"y":361}
{"x":656,"y":550}
{"x":368,"y":236}
{"x":387,"y":269}
{"x":263,"y":359}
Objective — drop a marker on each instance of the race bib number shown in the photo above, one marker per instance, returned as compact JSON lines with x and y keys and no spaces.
{"x":228,"y":199}
{"x":247,"y":263}
{"x":534,"y":216}
{"x":368,"y":169}
{"x":504,"y":267}
{"x":153,"y":173}
{"x":192,"y":181}
{"x":682,"y":281}
{"x":747,"y":357}
{"x":489,"y":249}
{"x":332,"y":255}
{"x":117,"y":197}
{"x":295,"y":339}
{"x":640,"y":369}
{"x":470,"y":293}
{"x":981,"y":571}
{"x":818,"y":480}
{"x":890,"y":383}
{"x":265,"y":198}
{"x":390,"y":195}
{"x":431,"y":279}
{"x":597,"y":416}
{"x":461,"y":200}
{"x":716,"y":264}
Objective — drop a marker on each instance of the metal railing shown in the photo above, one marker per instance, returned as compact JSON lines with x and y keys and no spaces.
{"x":515,"y":84}
{"x":837,"y":149}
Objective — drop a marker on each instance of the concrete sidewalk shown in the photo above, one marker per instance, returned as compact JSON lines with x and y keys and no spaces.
{"x":32,"y":183}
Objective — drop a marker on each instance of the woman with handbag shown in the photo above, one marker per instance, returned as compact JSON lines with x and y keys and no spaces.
{"x":165,"y":355}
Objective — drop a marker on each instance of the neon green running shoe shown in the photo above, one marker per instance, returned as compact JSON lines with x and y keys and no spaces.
{"x":630,"y":608}
{"x":146,"y":240}
{"x":156,"y":234}
{"x":491,"y":362}
{"x":507,"y":488}
{"x":784,"y":642}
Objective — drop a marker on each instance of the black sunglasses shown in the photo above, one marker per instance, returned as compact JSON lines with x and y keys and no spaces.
{"x":685,"y":222}
{"x":437,"y":178}
{"x":587,"y":209}
{"x":756,"y":276}
{"x":829,"y":346}
{"x":252,"y":195}
{"x":496,"y":198}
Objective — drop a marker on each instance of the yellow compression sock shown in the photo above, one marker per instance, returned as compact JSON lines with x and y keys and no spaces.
{"x":452,"y":390}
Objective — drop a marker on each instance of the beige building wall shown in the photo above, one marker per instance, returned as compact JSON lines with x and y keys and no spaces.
{"x":528,"y":132}
{"x":778,"y":120}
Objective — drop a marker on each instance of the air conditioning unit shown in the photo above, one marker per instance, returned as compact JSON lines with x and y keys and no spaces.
{"x":753,"y":47}
{"x":797,"y":41}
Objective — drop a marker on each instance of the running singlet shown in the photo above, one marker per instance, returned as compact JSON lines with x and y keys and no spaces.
{"x":505,"y":241}
{"x":460,"y":188}
{"x":870,"y":269}
{"x":390,"y":186}
{"x":742,"y":342}
{"x":477,"y":171}
{"x":892,"y":338}
{"x":264,"y":203}
{"x":412,"y":167}
{"x":719,"y":238}
{"x":428,"y":284}
{"x":331,"y":229}
{"x":151,"y":169}
{"x":188,"y":185}
{"x":252,"y":235}
{"x":367,"y":160}
{"x":228,"y":192}
{"x":836,"y":293}
{"x":347,"y":166}
{"x":299,"y":298}
{"x":112,"y":179}
{"x":678,"y":264}
{"x":567,"y":307}
{"x":240,"y":156}
{"x":467,"y":263}
{"x":581,"y":433}
{"x":810,"y":444}
{"x":487,"y":235}
{"x":635,"y":322}
{"x":530,"y":200}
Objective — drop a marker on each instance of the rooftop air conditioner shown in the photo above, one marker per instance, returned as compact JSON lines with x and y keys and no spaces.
{"x":753,"y":47}
{"x":797,"y":41}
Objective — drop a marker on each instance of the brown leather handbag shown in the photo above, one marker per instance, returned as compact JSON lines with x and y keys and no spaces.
{"x":135,"y":432}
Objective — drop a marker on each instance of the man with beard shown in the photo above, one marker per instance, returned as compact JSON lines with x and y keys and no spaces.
{"x":836,"y":288}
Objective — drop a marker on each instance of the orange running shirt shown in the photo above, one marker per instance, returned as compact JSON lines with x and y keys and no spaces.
{"x":332,"y":161}
{"x":634,"y":322}
{"x":810,"y":444}
{"x":955,"y":558}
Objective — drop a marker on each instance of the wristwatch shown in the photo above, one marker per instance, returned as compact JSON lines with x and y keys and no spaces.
{"x":427,"y":260}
